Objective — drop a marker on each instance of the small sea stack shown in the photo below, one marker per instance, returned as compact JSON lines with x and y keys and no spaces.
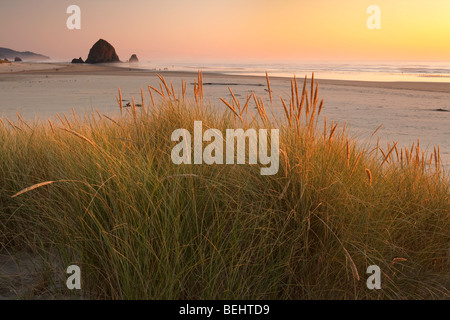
{"x":79,"y":60}
{"x":133,"y":59}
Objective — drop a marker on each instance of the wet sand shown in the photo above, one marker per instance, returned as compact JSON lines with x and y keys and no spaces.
{"x":115,"y":70}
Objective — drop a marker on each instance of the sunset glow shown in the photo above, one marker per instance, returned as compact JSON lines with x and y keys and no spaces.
{"x":234,"y":29}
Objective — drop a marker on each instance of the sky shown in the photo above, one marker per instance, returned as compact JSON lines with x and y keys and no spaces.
{"x":232,"y":30}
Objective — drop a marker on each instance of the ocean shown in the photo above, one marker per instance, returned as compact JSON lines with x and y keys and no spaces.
{"x":418,"y":71}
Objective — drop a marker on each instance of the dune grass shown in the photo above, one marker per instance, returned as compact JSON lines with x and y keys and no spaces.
{"x":104,"y":194}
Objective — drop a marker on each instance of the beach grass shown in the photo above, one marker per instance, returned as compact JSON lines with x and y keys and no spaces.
{"x":102,"y":193}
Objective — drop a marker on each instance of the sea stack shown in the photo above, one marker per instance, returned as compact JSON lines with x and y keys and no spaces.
{"x":79,"y":60}
{"x":133,"y":58}
{"x":17,"y":59}
{"x":102,"y":52}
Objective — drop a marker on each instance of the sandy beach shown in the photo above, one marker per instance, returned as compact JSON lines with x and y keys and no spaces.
{"x":407,"y":110}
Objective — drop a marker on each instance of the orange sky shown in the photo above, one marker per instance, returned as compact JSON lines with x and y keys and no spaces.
{"x":232,"y":30}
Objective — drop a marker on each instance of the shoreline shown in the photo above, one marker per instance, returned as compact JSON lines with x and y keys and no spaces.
{"x":111,"y":70}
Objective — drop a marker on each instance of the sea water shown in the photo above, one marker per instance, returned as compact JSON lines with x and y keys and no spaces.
{"x":418,"y":71}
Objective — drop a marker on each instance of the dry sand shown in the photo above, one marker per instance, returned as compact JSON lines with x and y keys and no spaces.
{"x":407,"y":110}
{"x":24,"y":275}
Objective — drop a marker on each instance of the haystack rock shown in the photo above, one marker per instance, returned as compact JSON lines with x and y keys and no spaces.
{"x":17,"y":59}
{"x":133,"y":58}
{"x":79,"y":60}
{"x":102,"y":52}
